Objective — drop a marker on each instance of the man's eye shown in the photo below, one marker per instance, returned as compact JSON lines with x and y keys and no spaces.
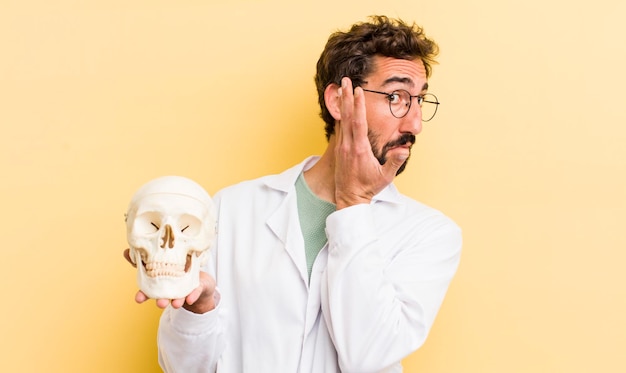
{"x":394,"y":98}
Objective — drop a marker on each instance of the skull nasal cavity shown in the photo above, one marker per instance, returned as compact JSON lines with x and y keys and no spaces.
{"x":168,"y":237}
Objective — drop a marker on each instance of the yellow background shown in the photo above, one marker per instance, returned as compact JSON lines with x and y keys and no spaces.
{"x":526,"y":154}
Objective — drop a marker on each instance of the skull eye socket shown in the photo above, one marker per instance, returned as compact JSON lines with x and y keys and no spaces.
{"x":147,"y":223}
{"x":189,"y":225}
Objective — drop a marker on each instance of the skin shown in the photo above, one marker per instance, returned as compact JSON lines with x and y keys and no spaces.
{"x":349,"y":172}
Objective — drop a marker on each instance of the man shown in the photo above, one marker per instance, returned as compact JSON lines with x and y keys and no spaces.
{"x":327,"y":267}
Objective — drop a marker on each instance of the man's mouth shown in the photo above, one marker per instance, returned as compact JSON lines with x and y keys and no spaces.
{"x":405,"y":141}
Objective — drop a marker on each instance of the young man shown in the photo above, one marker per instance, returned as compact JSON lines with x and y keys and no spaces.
{"x":326,"y":267}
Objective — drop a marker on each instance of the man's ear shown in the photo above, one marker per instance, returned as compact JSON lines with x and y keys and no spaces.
{"x":332,"y":100}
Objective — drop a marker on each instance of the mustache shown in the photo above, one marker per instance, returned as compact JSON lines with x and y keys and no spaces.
{"x":402,"y":140}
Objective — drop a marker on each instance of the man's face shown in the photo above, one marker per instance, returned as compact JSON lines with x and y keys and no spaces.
{"x":386,"y":132}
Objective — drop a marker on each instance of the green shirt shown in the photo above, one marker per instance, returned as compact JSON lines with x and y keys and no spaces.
{"x":312,"y":212}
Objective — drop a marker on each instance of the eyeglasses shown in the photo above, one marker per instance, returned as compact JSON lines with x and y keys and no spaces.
{"x":400,"y":103}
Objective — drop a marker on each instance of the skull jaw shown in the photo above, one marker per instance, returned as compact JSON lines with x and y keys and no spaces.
{"x":168,"y":287}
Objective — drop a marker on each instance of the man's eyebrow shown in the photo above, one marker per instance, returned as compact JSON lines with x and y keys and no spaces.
{"x":398,"y":79}
{"x":405,"y":80}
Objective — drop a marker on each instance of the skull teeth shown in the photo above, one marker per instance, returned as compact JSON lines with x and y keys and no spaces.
{"x":165,"y":269}
{"x":158,"y":269}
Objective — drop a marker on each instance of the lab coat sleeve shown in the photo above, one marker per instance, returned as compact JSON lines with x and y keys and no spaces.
{"x":189,"y":342}
{"x":382,"y":290}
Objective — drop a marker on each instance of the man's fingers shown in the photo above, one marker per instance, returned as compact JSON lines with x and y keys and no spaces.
{"x":176,"y":303}
{"x":395,"y":159}
{"x":347,"y":108}
{"x":359,"y":126}
{"x":353,"y":124}
{"x":140,"y":297}
{"x":194,"y":295}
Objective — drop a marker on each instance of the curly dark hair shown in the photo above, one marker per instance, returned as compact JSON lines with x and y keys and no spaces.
{"x":351,"y":53}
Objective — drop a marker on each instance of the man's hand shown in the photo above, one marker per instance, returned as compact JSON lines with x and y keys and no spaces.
{"x":358,"y":174}
{"x":200,"y":300}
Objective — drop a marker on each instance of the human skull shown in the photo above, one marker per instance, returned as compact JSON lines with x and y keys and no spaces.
{"x":170,"y":225}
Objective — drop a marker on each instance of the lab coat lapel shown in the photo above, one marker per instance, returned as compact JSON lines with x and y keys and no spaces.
{"x":284,"y":221}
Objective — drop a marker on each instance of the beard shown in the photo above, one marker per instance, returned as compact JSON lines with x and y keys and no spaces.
{"x":382,"y":154}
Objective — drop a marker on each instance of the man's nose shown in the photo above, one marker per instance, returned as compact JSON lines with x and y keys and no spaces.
{"x":412,"y":122}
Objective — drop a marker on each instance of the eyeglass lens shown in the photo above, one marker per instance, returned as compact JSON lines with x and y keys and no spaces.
{"x":401,"y":107}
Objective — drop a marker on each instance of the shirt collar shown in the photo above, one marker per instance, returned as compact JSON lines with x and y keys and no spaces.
{"x":286,"y":181}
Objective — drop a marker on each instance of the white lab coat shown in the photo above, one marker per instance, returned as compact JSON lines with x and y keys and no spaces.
{"x":374,"y":292}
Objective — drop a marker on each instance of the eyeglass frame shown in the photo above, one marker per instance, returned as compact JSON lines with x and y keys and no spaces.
{"x":420,"y":101}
